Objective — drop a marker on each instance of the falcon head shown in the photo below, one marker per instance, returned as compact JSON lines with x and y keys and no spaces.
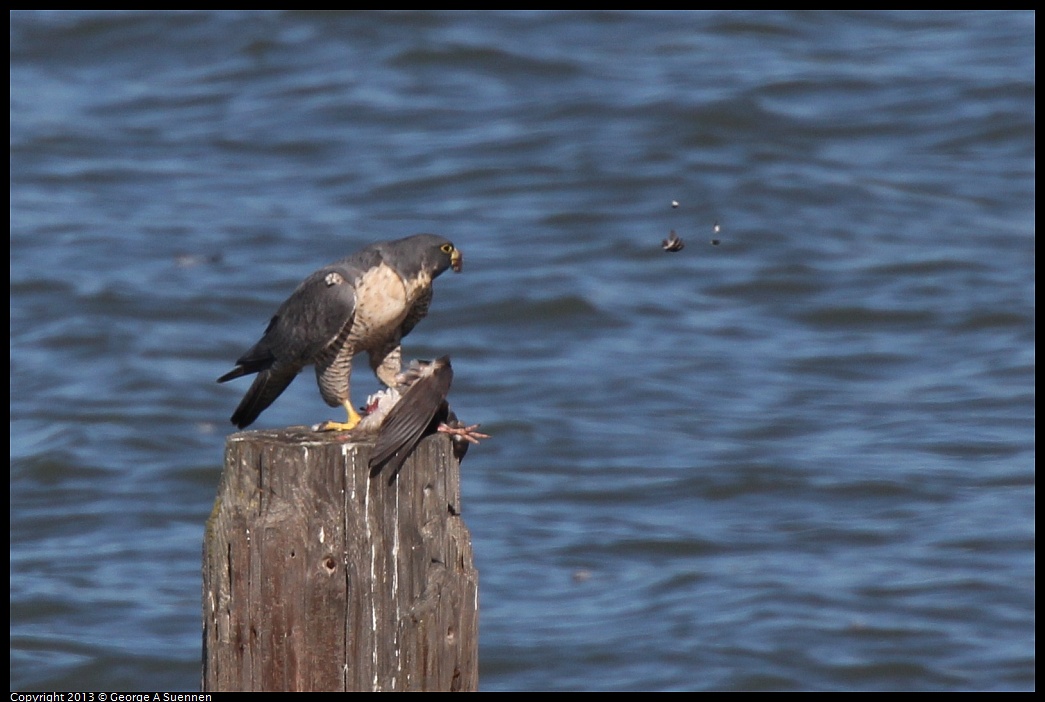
{"x":422,"y":254}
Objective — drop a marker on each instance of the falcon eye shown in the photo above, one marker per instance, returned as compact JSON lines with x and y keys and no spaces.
{"x":447,"y":248}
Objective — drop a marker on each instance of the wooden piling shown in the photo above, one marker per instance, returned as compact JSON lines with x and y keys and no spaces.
{"x":317,"y":577}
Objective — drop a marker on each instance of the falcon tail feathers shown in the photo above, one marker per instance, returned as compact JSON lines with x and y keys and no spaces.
{"x":248,"y":364}
{"x":263,"y":392}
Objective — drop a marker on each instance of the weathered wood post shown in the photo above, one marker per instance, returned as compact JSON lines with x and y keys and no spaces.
{"x":317,"y":577}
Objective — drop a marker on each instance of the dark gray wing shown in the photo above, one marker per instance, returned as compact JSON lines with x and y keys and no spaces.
{"x":303,"y":326}
{"x":407,"y":423}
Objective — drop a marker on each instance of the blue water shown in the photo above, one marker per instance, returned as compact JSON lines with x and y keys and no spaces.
{"x":800,"y":459}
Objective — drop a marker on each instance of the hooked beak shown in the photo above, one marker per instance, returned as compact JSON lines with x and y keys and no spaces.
{"x":456,"y":259}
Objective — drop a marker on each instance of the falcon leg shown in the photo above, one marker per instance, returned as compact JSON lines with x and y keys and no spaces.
{"x":387,"y":363}
{"x":353,"y":420}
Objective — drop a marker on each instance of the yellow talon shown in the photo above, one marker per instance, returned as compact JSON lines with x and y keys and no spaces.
{"x":353,"y":420}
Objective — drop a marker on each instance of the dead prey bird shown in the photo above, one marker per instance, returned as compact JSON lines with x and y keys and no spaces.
{"x":410,"y":411}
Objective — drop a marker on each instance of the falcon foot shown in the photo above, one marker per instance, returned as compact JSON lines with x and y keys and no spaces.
{"x":348,"y":425}
{"x":335,"y":426}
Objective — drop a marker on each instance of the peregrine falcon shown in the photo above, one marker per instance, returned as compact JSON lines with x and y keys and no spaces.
{"x":412,"y":410}
{"x":366,"y":302}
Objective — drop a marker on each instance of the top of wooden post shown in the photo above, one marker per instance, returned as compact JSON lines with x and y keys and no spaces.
{"x":318,"y":576}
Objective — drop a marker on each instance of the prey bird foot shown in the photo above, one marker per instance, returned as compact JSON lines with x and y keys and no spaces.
{"x":468,"y":433}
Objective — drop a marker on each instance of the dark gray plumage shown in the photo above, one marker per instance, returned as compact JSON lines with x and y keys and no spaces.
{"x":366,"y":302}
